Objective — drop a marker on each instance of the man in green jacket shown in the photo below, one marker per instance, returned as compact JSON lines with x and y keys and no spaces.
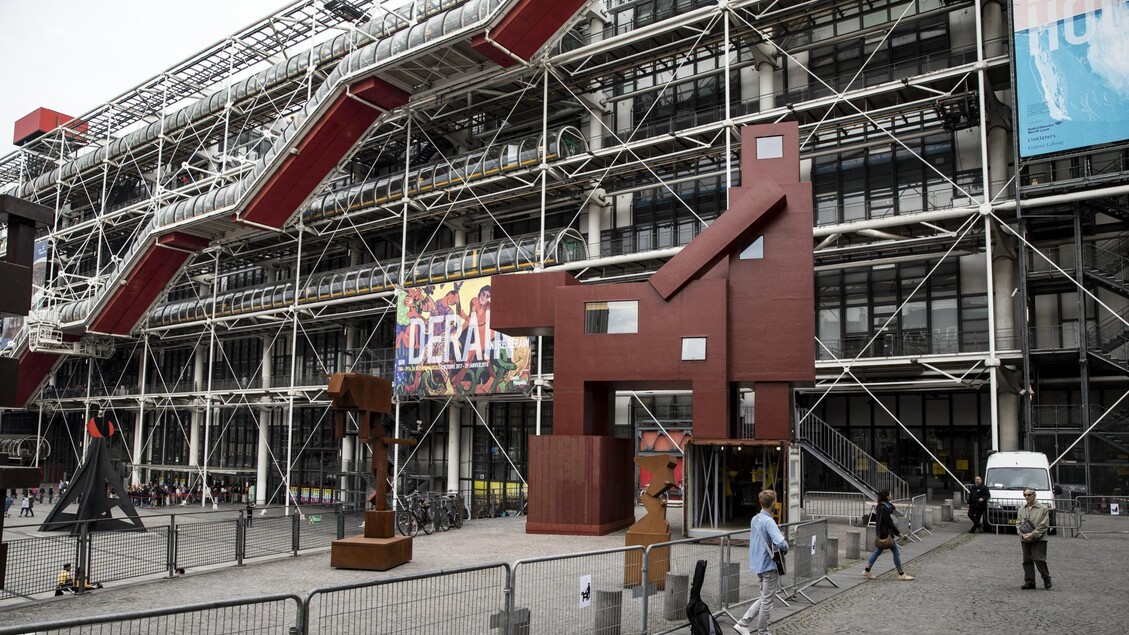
{"x":1032,"y":522}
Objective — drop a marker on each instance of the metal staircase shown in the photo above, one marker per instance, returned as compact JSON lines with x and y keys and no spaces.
{"x":1108,"y":268}
{"x":846,"y":459}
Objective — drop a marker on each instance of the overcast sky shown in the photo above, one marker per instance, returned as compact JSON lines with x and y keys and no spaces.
{"x":74,"y":55}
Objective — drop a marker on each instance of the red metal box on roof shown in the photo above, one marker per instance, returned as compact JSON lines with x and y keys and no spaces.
{"x":39,"y":122}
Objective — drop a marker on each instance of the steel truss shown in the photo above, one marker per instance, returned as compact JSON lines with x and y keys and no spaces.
{"x":610,"y":78}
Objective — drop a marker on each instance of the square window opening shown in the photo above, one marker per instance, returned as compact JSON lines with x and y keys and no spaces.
{"x":611,"y":317}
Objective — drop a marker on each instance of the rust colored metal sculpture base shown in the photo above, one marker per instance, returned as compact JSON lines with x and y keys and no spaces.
{"x":379,"y":549}
{"x":653,"y":528}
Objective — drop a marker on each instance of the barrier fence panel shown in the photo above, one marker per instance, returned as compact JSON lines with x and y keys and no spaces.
{"x":1102,"y":514}
{"x":594,"y":592}
{"x":120,"y":555}
{"x":915,"y":518}
{"x":34,"y":563}
{"x":670,"y":565}
{"x":470,"y":600}
{"x":268,"y":536}
{"x":319,"y":527}
{"x":204,"y":543}
{"x":1064,"y":514}
{"x":853,"y":506}
{"x":271,"y":615}
{"x":806,"y":561}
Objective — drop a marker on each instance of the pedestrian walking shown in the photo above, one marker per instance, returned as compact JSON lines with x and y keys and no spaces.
{"x":8,"y":500}
{"x":1032,"y":522}
{"x":764,"y":538}
{"x":50,"y":495}
{"x":31,"y":506}
{"x":887,"y":533}
{"x":25,"y":506}
{"x":978,"y":496}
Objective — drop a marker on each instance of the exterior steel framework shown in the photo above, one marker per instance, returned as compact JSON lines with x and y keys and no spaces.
{"x":966,"y":301}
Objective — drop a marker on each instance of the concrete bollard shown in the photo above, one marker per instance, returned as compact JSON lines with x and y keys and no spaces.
{"x":930,"y":513}
{"x":871,"y":535}
{"x":731,"y":582}
{"x":947,"y":512}
{"x":676,"y":596}
{"x":831,"y":553}
{"x":852,"y":546}
{"x":609,"y":611}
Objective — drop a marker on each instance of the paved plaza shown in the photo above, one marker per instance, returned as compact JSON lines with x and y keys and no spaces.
{"x":965,"y":583}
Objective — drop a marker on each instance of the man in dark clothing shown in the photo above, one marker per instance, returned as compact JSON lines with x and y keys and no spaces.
{"x":978,"y":496}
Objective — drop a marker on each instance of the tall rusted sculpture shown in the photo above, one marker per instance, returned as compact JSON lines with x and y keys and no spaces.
{"x":653,"y":528}
{"x":379,"y":549}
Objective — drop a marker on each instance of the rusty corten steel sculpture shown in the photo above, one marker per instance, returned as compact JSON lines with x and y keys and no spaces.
{"x":379,"y":549}
{"x":653,"y":528}
{"x":369,"y":397}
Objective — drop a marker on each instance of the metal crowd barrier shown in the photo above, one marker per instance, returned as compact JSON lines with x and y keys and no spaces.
{"x":1101,"y":515}
{"x":915,"y":518}
{"x":270,"y":614}
{"x":468,"y":600}
{"x":666,"y":606}
{"x":630,"y":590}
{"x":1064,"y":515}
{"x":579,"y":593}
{"x":806,"y":562}
{"x":853,"y":506}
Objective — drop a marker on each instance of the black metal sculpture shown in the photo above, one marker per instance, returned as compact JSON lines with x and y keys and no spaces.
{"x":90,"y":487}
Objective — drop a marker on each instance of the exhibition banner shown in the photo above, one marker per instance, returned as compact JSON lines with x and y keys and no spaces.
{"x":445,"y":346}
{"x":1072,"y":74}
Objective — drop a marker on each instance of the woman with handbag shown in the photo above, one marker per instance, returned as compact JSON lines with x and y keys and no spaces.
{"x":885,"y":530}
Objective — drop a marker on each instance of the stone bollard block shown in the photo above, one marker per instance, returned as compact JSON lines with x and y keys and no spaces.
{"x":852,"y":546}
{"x":871,"y":535}
{"x":609,"y":611}
{"x":930,"y":513}
{"x":731,"y":582}
{"x":947,"y":512}
{"x":676,"y":596}
{"x":519,"y":625}
{"x":831,"y":553}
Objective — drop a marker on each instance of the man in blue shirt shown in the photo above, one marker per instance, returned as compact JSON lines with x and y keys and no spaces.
{"x":764,"y":536}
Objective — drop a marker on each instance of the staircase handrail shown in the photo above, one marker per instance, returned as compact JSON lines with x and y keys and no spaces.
{"x":847,"y":455}
{"x":1106,"y":261}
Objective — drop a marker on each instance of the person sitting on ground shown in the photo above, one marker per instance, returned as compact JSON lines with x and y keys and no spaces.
{"x":87,"y":585}
{"x":64,"y":582}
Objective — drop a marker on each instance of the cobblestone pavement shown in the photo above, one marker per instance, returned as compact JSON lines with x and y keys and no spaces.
{"x":970,"y":584}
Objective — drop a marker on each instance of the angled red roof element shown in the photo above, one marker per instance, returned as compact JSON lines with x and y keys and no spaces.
{"x":749,"y":208}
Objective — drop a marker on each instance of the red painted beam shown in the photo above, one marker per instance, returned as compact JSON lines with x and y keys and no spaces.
{"x":320,"y":151}
{"x":130,"y":301}
{"x":525,"y":29}
{"x":34,"y":368}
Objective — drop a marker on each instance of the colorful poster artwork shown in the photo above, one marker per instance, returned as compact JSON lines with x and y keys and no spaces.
{"x":445,"y":346}
{"x":1072,"y":74}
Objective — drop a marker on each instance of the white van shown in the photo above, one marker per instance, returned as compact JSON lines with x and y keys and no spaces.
{"x":1008,"y":474}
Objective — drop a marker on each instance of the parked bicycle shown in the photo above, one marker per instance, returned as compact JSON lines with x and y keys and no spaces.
{"x":413,"y":515}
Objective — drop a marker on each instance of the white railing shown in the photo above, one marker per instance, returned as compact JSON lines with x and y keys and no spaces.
{"x":849,"y":457}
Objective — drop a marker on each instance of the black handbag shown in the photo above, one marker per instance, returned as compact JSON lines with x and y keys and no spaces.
{"x":1026,"y":527}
